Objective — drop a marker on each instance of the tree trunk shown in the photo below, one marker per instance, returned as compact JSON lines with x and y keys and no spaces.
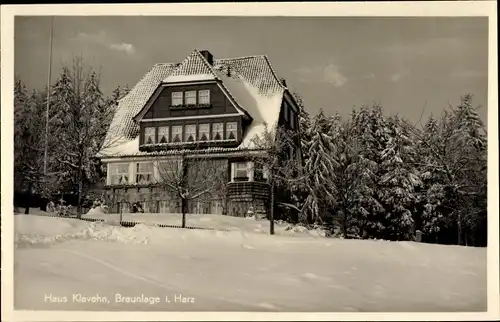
{"x":80,"y":191}
{"x":30,"y":194}
{"x":271,"y":211}
{"x":459,"y":228}
{"x":183,"y":207}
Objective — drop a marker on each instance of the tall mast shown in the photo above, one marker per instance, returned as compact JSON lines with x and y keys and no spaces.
{"x":48,"y":99}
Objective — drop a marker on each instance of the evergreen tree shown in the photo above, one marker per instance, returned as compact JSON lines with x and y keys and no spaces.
{"x":370,"y":133}
{"x":318,"y":168}
{"x":399,"y":178}
{"x":28,"y":141}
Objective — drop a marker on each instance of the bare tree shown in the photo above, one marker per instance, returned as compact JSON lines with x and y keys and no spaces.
{"x":191,"y":175}
{"x":281,"y":162}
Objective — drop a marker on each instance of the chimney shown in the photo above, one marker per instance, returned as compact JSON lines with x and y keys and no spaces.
{"x":208,"y":56}
{"x":283,"y":81}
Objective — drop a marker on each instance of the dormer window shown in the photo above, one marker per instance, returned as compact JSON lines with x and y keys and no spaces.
{"x":177,"y":133}
{"x":149,"y":135}
{"x":204,"y":132}
{"x":190,"y":98}
{"x":231,"y":130}
{"x":190,"y":133}
{"x":177,"y":99}
{"x":217,"y":131}
{"x":163,"y":134}
{"x":204,"y":97}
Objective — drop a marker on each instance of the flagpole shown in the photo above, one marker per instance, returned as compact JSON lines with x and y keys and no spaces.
{"x":48,"y":99}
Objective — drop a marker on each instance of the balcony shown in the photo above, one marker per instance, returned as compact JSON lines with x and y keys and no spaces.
{"x":248,"y":190}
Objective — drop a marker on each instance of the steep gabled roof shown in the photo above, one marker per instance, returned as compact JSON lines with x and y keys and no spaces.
{"x":250,"y":81}
{"x":194,"y":68}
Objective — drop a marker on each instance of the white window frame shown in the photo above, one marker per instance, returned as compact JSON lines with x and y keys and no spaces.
{"x":242,"y":166}
{"x":206,"y":132}
{"x":215,"y":130}
{"x":177,"y":127}
{"x":177,"y":98}
{"x":150,"y":133}
{"x":190,"y":95}
{"x":234,"y":126}
{"x":140,"y":172}
{"x":122,"y":174}
{"x":163,"y":132}
{"x":190,"y":129}
{"x":204,"y":96}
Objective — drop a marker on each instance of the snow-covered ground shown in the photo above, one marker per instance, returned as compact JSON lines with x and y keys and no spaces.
{"x":237,"y":270}
{"x":248,"y":224}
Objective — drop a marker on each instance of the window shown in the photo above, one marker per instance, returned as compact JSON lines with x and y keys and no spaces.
{"x":204,"y":97}
{"x":190,"y":98}
{"x":292,"y":120}
{"x":190,"y":133}
{"x":285,"y":111}
{"x":118,"y":173}
{"x":149,"y":135}
{"x":240,"y":171}
{"x":177,"y":133}
{"x":163,"y":134}
{"x":217,"y":131}
{"x":144,"y":172}
{"x":176,"y":98}
{"x":231,"y":130}
{"x":204,"y":130}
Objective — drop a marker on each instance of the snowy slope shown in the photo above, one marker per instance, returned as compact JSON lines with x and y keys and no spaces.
{"x":239,"y":271}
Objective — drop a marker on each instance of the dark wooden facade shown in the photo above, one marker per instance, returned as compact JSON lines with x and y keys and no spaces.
{"x":162,"y":105}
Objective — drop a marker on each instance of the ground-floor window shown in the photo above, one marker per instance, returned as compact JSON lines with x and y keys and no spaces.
{"x":240,"y":172}
{"x":144,"y":173}
{"x":118,"y":173}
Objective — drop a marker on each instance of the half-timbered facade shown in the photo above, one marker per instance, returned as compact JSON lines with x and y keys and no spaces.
{"x":203,"y":108}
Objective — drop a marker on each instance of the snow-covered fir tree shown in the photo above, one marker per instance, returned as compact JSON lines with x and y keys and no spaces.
{"x":318,"y":167}
{"x":399,"y":178}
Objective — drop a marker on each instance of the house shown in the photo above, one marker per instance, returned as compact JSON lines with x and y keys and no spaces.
{"x":202,"y":106}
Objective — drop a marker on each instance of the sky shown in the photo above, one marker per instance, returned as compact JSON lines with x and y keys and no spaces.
{"x":412,"y":66}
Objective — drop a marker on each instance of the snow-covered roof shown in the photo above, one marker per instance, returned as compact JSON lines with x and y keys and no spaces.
{"x":188,"y":78}
{"x":252,"y":83}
